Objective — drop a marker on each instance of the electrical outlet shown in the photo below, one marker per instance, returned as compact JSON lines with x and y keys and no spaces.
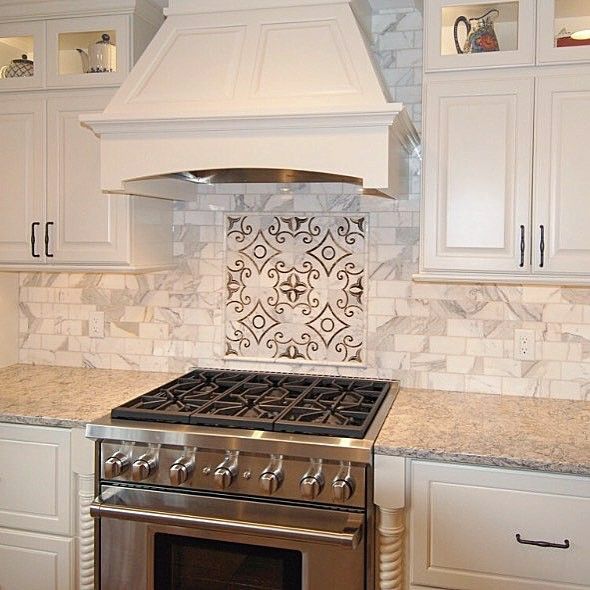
{"x":524,"y":345}
{"x":96,"y":324}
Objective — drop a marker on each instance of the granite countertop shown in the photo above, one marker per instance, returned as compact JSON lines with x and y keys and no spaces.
{"x":68,"y":397}
{"x":503,"y":431}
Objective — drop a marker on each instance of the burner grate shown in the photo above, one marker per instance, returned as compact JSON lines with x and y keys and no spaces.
{"x":273,"y":401}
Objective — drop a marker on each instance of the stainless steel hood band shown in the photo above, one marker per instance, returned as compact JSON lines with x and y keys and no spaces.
{"x":349,"y":538}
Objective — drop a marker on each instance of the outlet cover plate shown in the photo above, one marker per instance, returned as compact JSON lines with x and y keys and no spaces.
{"x":96,"y":324}
{"x":524,"y":345}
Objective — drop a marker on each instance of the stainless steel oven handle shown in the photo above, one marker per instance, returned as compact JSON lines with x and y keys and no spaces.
{"x":350,"y":537}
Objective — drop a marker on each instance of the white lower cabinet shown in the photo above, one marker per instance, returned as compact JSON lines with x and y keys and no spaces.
{"x":475,"y":528}
{"x":46,"y":484}
{"x":35,"y":562}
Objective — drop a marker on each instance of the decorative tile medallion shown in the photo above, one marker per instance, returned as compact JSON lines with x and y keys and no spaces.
{"x":295,"y":288}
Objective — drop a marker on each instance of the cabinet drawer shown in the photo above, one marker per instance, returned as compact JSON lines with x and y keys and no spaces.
{"x":465,"y":521}
{"x":35,"y":478}
{"x":35,"y":562}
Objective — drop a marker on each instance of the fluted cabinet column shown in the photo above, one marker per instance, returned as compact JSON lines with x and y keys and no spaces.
{"x":83,"y":485}
{"x":391,"y":531}
{"x":390,"y":495}
{"x":85,"y":533}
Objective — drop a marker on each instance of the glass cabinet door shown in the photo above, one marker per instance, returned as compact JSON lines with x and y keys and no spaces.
{"x":22,"y":55}
{"x":87,"y":51}
{"x":479,"y":34}
{"x":563,"y":31}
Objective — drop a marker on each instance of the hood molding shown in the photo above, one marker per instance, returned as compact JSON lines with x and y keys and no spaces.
{"x":278,"y":84}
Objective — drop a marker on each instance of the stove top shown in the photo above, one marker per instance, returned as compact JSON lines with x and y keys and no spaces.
{"x":333,"y":406}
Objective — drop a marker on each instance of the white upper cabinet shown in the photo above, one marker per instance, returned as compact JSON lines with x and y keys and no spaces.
{"x":491,"y":210}
{"x":22,"y":55}
{"x":483,"y":34}
{"x":563,"y":31}
{"x":82,"y":223}
{"x":22,"y":172}
{"x":91,"y":51}
{"x":54,"y":68}
{"x":561,"y":205}
{"x":477,"y":175}
{"x":479,"y":33}
{"x":93,"y":44}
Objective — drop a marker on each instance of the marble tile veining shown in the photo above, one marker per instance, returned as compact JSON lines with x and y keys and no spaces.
{"x":502,"y":431}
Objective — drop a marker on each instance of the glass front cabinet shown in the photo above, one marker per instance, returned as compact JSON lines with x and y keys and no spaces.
{"x":484,"y":34}
{"x":22,"y":55}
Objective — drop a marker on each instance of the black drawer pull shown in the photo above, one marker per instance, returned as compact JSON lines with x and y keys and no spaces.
{"x":47,"y":226}
{"x":522,"y":246}
{"x":34,"y":239}
{"x":564,"y":545}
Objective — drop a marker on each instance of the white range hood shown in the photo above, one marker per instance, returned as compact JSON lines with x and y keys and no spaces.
{"x":284,"y":86}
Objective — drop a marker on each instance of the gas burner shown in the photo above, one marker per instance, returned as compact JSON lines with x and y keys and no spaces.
{"x":272,"y":402}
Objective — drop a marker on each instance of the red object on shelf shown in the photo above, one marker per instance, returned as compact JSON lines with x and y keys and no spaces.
{"x":569,"y":42}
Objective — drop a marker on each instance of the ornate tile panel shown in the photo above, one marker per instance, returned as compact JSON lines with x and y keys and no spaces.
{"x":295,"y":288}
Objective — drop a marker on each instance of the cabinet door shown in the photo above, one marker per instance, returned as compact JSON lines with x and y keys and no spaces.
{"x":477,"y":170}
{"x":479,"y":528}
{"x":35,"y":478}
{"x":510,"y":22}
{"x":22,"y":178}
{"x":35,"y":562}
{"x":562,"y":176}
{"x":88,"y":225}
{"x":562,"y":31}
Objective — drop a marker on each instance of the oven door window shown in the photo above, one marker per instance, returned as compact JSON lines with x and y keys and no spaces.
{"x":186,"y":563}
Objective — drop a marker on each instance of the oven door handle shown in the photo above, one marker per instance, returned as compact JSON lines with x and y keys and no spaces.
{"x":350,"y":537}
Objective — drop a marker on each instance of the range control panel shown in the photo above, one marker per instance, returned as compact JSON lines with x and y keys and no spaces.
{"x":230,"y":471}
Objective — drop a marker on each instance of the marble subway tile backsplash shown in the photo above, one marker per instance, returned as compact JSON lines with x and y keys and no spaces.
{"x":443,"y":336}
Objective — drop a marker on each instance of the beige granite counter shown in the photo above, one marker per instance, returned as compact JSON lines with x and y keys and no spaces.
{"x":519,"y":432}
{"x":504,"y":431}
{"x":68,"y":397}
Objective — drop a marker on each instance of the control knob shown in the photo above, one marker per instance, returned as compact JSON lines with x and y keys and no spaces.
{"x":143,"y":467}
{"x":343,"y":488}
{"x":116,"y":465}
{"x":270,"y":481}
{"x":311,"y":486}
{"x":226,"y":471}
{"x":181,"y":470}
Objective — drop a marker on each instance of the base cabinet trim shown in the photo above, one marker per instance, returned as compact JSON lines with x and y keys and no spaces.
{"x":391,"y":532}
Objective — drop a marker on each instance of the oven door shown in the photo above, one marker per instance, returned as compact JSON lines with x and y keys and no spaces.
{"x":161,"y":540}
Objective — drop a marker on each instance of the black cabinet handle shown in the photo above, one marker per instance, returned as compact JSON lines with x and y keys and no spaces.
{"x":564,"y":545}
{"x":522,"y":246}
{"x":47,"y":225}
{"x":34,"y":239}
{"x":542,"y":246}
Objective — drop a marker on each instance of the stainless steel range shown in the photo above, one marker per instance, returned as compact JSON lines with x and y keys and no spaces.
{"x":224,"y":480}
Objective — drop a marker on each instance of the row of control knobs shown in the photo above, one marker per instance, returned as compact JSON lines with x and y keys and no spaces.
{"x":270,"y":480}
